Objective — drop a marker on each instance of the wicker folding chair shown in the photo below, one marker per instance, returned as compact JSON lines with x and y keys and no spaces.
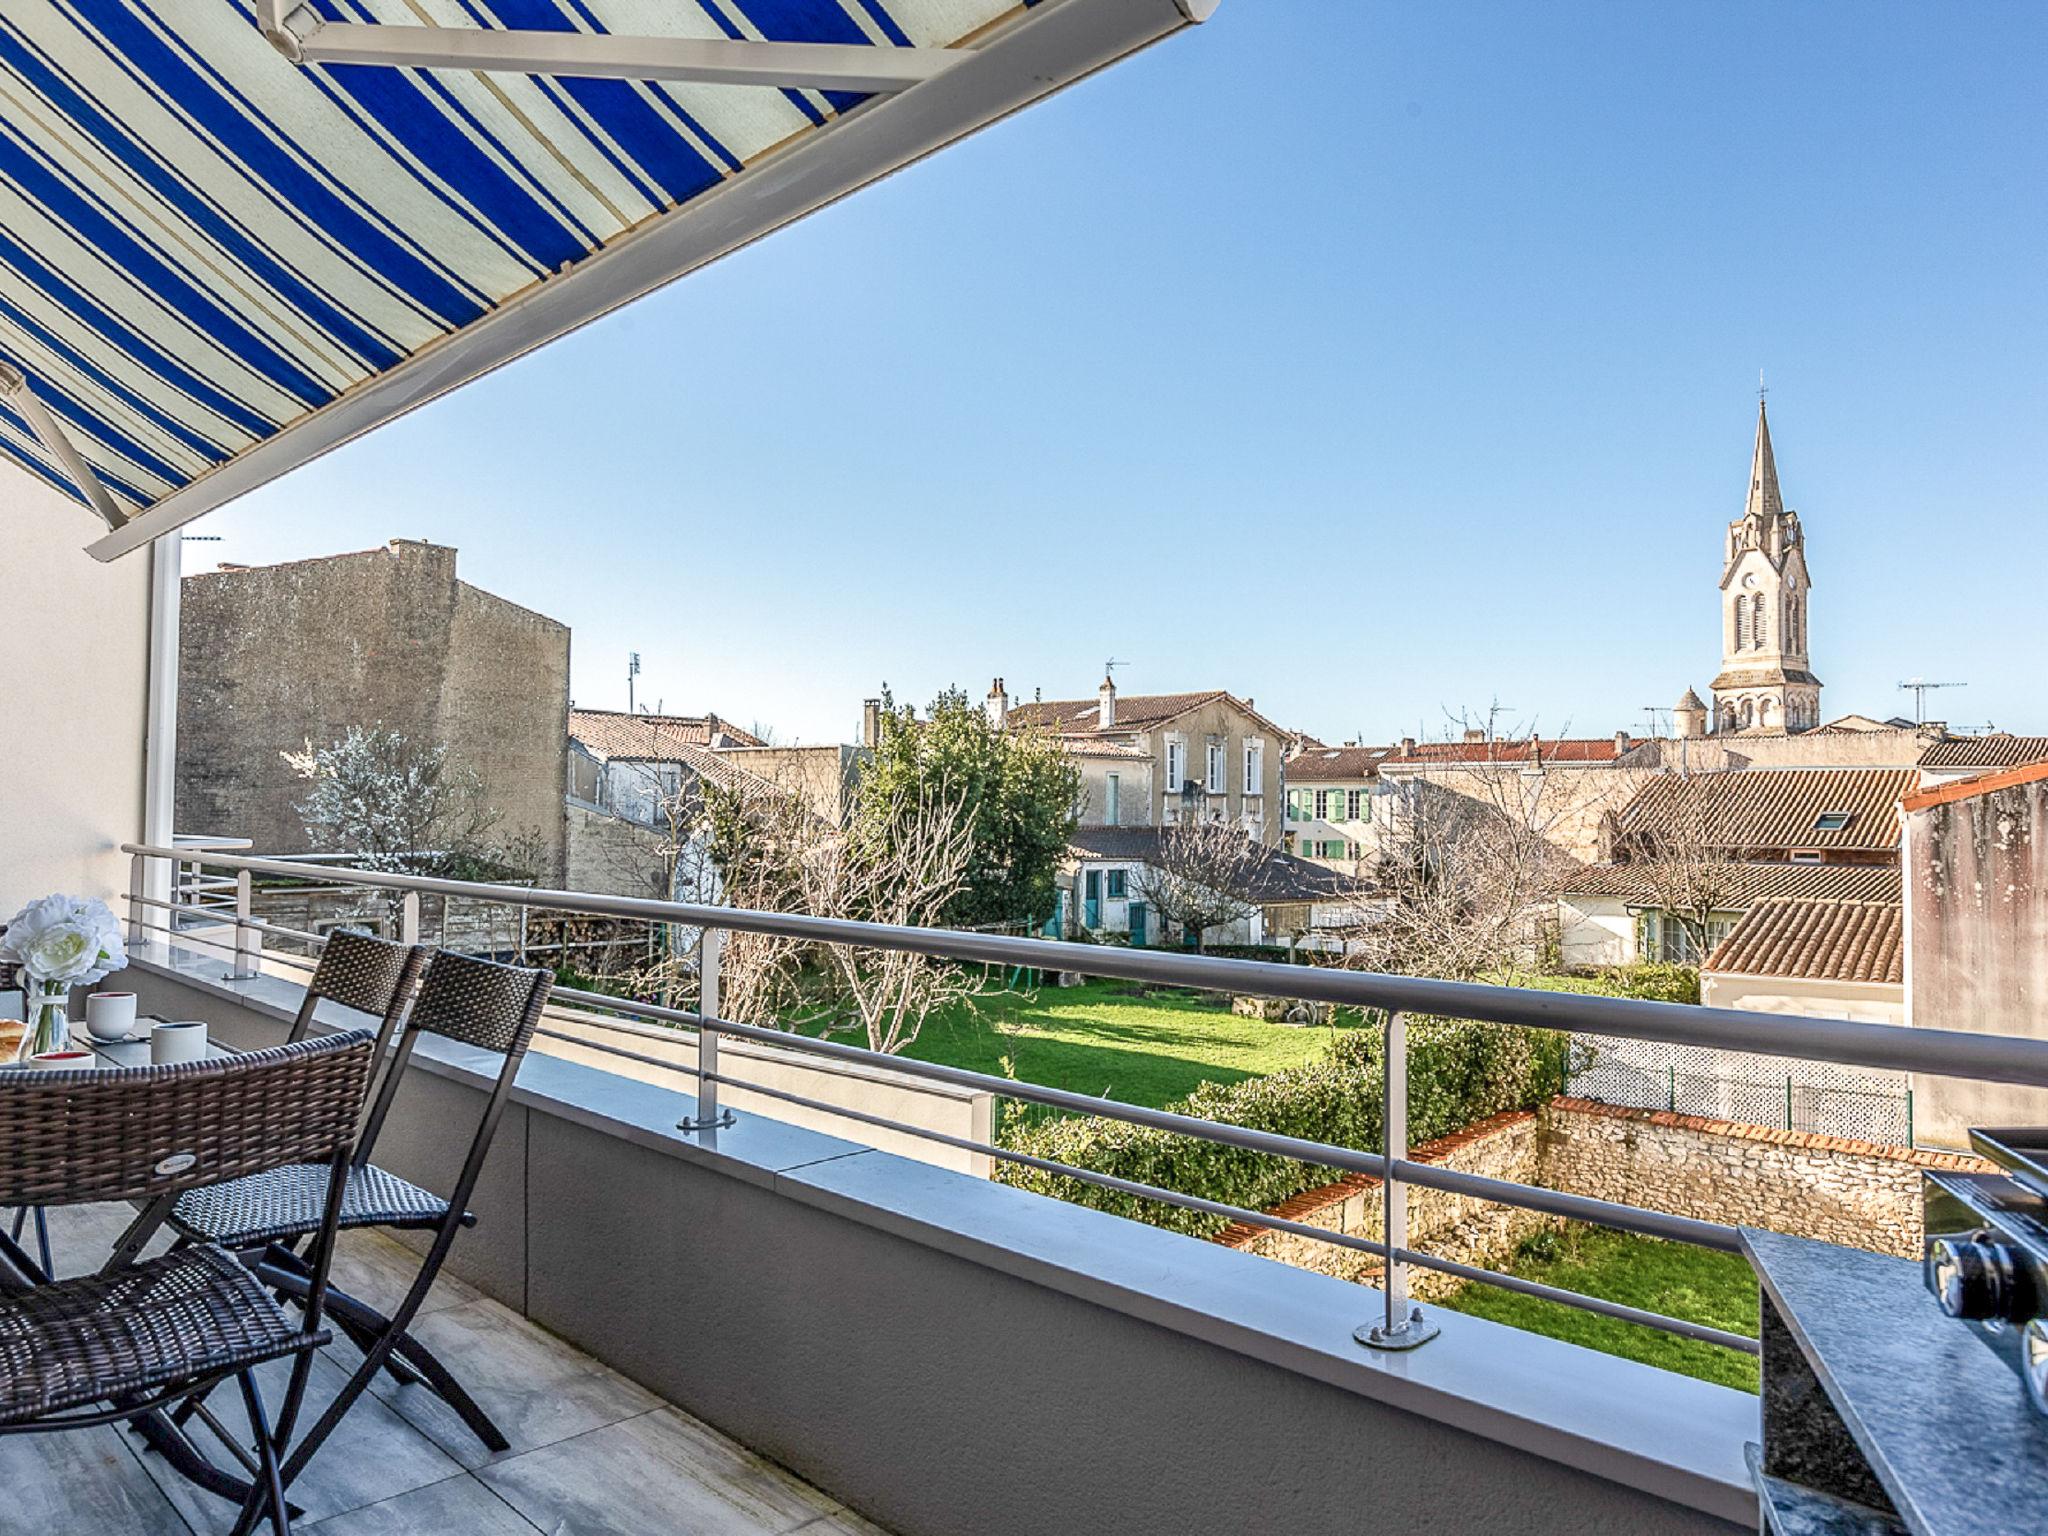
{"x":11,"y":980}
{"x":123,"y":1343}
{"x":358,"y":971}
{"x":475,"y":1002}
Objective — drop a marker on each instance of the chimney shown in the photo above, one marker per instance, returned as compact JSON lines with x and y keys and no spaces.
{"x":1106,"y":715}
{"x":1407,"y":746}
{"x":1621,"y":741}
{"x":998,"y":705}
{"x":1474,"y":735}
{"x":870,"y":722}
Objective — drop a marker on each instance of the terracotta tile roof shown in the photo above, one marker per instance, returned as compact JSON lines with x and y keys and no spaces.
{"x":614,"y":733}
{"x":1771,"y":808}
{"x":1970,"y":789}
{"x":1569,"y":750}
{"x":1323,"y":764}
{"x":1994,"y":751}
{"x":1816,"y":940}
{"x":1751,"y":883}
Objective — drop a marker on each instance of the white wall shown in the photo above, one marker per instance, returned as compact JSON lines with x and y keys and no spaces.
{"x":1595,"y":930}
{"x":958,"y":1112}
{"x":73,"y":699}
{"x":1867,"y":1002}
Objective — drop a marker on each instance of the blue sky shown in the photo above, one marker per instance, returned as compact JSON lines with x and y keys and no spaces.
{"x":1371,"y":360}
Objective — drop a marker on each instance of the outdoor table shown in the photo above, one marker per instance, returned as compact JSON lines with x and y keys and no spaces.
{"x":134,"y":1051}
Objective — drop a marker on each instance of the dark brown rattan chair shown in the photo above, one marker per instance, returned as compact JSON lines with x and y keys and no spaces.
{"x":127,"y":1341}
{"x":366,"y":973}
{"x":475,"y":1002}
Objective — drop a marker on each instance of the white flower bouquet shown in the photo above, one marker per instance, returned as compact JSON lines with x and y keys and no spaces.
{"x":59,"y":942}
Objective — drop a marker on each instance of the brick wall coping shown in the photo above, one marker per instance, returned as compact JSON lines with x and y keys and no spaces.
{"x":1311,"y":1202}
{"x":1770,"y":1135}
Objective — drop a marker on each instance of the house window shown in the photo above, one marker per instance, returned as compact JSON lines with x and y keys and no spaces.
{"x":1806,"y":856}
{"x":1832,"y":821}
{"x":1114,"y":885}
{"x":1298,"y":804}
{"x":1254,"y":767}
{"x":1667,"y":938}
{"x":1219,"y":762}
{"x":1176,"y":765}
{"x":1109,"y":797}
{"x":1322,"y":804}
{"x":1352,"y":799}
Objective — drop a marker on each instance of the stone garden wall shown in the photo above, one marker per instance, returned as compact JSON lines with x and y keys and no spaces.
{"x":1856,"y":1193}
{"x":1506,"y":1146}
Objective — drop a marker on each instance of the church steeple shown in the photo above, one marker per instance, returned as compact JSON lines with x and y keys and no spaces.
{"x":1764,"y":499}
{"x":1765,"y":682}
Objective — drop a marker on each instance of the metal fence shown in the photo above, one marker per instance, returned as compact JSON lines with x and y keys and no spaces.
{"x":238,"y":937}
{"x":1820,"y":1098}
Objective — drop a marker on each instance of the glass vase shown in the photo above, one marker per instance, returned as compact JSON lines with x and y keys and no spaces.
{"x":49,"y":1021}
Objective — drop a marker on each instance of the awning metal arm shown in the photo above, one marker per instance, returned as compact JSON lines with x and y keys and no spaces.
{"x":305,"y":38}
{"x":15,"y":390}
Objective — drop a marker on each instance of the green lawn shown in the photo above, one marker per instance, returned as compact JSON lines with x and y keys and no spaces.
{"x":1698,"y":1284}
{"x":1101,"y":1038}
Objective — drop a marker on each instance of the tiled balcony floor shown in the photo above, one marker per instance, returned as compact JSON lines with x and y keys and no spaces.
{"x":592,"y":1454}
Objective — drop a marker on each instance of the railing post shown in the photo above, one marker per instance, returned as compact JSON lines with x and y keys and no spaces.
{"x":248,"y":940}
{"x":1401,"y":1325}
{"x":709,"y":1117}
{"x":138,"y":876}
{"x":409,"y":918}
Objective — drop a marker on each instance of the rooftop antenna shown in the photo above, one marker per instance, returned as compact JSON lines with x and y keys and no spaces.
{"x":1919,"y":688}
{"x":632,"y":671}
{"x":1109,"y":668}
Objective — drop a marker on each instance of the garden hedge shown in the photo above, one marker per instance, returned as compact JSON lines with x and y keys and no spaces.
{"x":1459,"y":1071}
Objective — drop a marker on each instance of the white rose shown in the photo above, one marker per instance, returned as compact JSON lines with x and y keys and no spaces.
{"x":64,"y":939}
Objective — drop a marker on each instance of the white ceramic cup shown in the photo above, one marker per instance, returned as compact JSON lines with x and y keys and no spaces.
{"x":110,"y":1015}
{"x":62,"y":1060}
{"x":177,"y":1040}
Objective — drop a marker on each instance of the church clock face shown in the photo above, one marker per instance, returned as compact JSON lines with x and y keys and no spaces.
{"x":1749,"y":580}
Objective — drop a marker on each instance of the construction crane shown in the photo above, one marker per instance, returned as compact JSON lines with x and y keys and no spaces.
{"x":1919,"y":687}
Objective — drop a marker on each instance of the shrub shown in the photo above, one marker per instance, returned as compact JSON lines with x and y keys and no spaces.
{"x":1654,"y":981}
{"x":1459,"y":1071}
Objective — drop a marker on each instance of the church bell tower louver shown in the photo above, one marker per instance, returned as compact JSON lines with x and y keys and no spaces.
{"x":1765,"y":683}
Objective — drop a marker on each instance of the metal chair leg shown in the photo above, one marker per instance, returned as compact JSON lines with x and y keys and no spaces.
{"x":442,"y":1383}
{"x":268,"y":1488}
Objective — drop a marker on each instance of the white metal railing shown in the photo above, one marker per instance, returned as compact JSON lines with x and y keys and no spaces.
{"x":1942,"y":1052}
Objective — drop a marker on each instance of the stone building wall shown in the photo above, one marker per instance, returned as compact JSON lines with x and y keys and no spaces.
{"x":272,"y":657}
{"x":1976,"y":892}
{"x":612,"y":856}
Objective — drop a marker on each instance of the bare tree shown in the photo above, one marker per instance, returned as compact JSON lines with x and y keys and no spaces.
{"x":1466,"y":877}
{"x":1687,"y":857}
{"x":899,"y":861}
{"x":902,"y":864}
{"x":1206,"y":875}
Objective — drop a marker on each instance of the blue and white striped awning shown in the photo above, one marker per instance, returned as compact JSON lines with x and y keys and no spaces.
{"x":217,"y":262}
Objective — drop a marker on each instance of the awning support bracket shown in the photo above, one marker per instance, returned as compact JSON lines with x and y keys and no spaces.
{"x":306,"y":38}
{"x":16,"y":391}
